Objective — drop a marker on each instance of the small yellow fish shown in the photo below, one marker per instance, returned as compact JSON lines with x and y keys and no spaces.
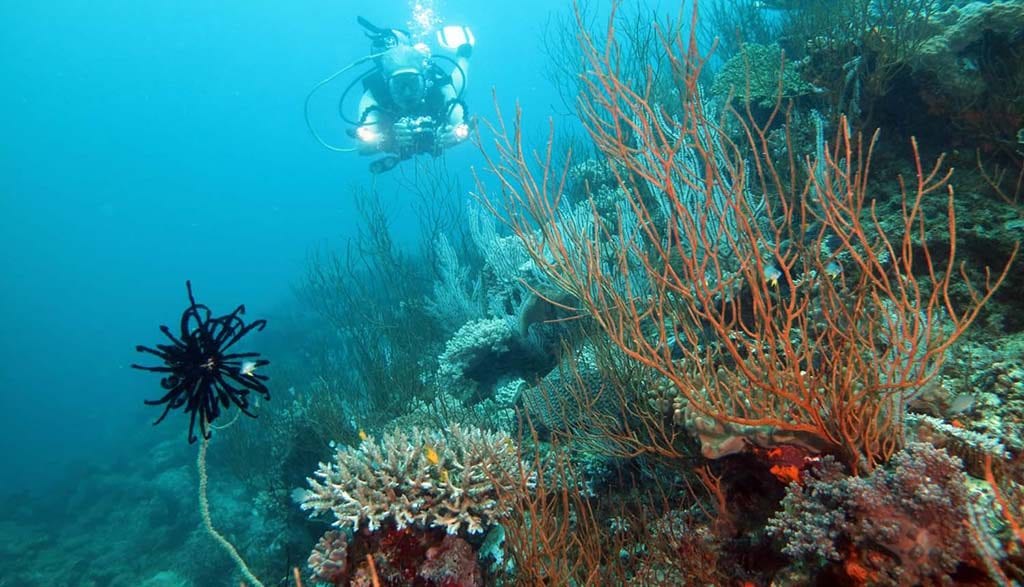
{"x":362,"y":434}
{"x":444,"y":475}
{"x":431,"y":455}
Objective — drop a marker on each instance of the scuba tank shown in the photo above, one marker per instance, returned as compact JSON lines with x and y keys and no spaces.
{"x":382,"y":39}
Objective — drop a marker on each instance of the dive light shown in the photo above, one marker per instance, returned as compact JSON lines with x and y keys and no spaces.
{"x":454,"y":36}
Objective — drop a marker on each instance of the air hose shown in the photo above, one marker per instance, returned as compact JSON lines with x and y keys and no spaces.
{"x":323,"y":83}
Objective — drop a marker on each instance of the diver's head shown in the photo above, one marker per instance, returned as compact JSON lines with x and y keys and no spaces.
{"x":407,"y":88}
{"x":389,"y":39}
{"x":405,"y":70}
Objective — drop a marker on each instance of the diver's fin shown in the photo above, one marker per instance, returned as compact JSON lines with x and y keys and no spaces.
{"x":384,"y":164}
{"x":377,"y":33}
{"x":370,"y":26}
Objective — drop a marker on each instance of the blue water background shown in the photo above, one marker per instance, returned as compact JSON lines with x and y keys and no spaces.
{"x":144,"y":144}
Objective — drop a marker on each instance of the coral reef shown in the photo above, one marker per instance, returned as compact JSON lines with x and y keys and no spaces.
{"x":682,"y":550}
{"x":719,"y":439}
{"x":757,"y":74}
{"x":553,"y":404}
{"x":690,"y":349}
{"x":947,"y":54}
{"x":992,"y":372}
{"x":971,"y":447}
{"x":456,"y":298}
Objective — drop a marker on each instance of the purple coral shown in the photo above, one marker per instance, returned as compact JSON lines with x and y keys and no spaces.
{"x":453,"y":562}
{"x":903,"y":521}
{"x":329,"y":559}
{"x":915,"y":510}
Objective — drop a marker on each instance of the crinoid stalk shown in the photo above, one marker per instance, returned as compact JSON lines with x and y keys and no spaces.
{"x":202,"y":376}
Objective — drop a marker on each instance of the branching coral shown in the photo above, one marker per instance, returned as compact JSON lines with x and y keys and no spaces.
{"x":419,"y":478}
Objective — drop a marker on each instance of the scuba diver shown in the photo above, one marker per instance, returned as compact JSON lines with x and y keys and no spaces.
{"x":410,"y":105}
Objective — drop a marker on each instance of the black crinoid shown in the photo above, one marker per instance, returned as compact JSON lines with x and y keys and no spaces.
{"x":201,"y":375}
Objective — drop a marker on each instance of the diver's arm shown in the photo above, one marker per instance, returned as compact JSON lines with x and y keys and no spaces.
{"x":461,"y":40}
{"x":456,"y":110}
{"x":455,"y":129}
{"x":460,"y":75}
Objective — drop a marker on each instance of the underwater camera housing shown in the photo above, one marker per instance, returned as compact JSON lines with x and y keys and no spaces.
{"x":424,"y":134}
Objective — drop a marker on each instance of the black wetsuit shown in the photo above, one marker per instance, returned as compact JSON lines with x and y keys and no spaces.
{"x":435,"y":106}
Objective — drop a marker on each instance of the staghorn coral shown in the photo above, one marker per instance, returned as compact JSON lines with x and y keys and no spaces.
{"x":421,"y":478}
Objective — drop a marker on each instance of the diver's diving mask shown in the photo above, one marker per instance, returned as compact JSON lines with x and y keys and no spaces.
{"x":407,"y":87}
